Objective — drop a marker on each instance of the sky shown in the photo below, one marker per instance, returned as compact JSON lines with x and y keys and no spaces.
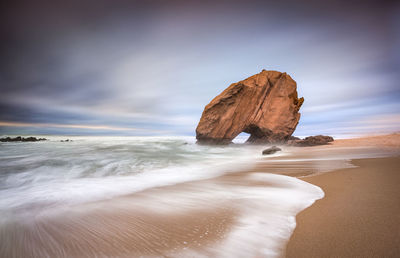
{"x":97,"y":67}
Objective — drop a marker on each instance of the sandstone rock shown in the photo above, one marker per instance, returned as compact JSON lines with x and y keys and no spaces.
{"x":271,"y":150}
{"x":311,"y":141}
{"x":264,"y":105}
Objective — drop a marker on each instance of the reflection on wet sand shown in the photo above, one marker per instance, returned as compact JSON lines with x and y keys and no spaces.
{"x":228,"y":216}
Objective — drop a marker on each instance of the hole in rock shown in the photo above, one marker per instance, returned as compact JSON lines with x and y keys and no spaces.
{"x":241,"y":138}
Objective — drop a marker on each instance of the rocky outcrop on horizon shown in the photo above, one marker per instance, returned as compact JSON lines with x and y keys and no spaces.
{"x":22,"y":139}
{"x":265,"y":105}
{"x":311,"y":141}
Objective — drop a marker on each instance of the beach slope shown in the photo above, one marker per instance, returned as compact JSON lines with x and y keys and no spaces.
{"x":359,"y":216}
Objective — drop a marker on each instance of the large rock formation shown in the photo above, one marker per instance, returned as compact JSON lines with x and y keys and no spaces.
{"x":264,"y":105}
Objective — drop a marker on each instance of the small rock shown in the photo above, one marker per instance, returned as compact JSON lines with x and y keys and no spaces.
{"x":271,"y":150}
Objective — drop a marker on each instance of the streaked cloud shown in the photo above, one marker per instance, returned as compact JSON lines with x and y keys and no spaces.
{"x":91,"y":127}
{"x":77,"y":126}
{"x":154,"y":66}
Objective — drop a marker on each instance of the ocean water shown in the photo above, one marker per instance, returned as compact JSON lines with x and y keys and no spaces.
{"x":41,"y":182}
{"x":90,"y":168}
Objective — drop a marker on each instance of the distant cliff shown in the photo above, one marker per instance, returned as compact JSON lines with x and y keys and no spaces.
{"x":264,"y":105}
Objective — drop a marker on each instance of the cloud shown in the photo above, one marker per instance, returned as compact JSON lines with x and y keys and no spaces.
{"x":102,"y":128}
{"x":151,"y":66}
{"x":91,"y":127}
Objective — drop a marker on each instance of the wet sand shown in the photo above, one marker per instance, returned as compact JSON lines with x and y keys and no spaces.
{"x":249,"y":213}
{"x":144,"y":224}
{"x":358,"y":217}
{"x":233,"y":215}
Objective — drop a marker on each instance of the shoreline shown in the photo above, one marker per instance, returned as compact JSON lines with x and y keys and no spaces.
{"x":249,"y":210}
{"x":358,"y":217}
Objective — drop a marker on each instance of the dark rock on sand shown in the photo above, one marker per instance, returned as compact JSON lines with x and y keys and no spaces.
{"x":311,"y":141}
{"x":271,"y":150}
{"x":22,"y":139}
{"x":265,"y":105}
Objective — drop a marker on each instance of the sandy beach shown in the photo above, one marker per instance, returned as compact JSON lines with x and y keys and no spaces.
{"x":358,"y":217}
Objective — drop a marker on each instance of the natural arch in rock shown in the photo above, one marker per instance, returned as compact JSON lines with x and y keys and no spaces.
{"x":264,"y":105}
{"x":241,"y":138}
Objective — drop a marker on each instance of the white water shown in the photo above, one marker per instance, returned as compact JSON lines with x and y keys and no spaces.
{"x":92,"y":168}
{"x":40,"y":177}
